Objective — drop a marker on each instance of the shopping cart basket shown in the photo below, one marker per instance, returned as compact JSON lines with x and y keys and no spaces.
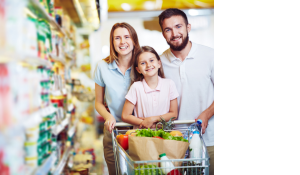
{"x":188,"y":166}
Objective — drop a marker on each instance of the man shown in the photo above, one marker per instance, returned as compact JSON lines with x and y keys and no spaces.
{"x":191,"y":67}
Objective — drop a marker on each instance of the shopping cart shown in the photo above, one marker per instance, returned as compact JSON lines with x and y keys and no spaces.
{"x":188,"y":166}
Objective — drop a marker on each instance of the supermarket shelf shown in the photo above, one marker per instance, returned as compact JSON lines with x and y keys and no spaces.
{"x":56,"y":130}
{"x":42,"y":12}
{"x":55,"y":58}
{"x":48,"y":110}
{"x":69,"y":56}
{"x":6,"y":57}
{"x":73,"y":129}
{"x":62,"y":162}
{"x":36,"y":117}
{"x":46,"y":166}
{"x":70,"y":107}
{"x":68,"y":34}
{"x":29,"y":170}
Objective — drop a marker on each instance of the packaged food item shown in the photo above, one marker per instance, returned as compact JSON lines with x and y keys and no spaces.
{"x":129,"y":132}
{"x":31,"y":149}
{"x":166,"y":166}
{"x":51,"y":7}
{"x":31,"y":161}
{"x":65,"y":94}
{"x":32,"y":134}
{"x":30,"y":38}
{"x":196,"y":146}
{"x":176,"y":133}
{"x":57,"y":99}
{"x":189,"y":133}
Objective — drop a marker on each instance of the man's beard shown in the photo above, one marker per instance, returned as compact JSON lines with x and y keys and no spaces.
{"x":181,"y":46}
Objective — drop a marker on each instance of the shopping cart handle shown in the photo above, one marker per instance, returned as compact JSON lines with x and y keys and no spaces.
{"x":176,"y":122}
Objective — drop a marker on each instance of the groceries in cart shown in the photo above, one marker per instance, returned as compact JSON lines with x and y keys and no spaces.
{"x":163,"y":151}
{"x":147,"y":169}
{"x":196,"y":146}
{"x":156,"y":142}
{"x":123,"y":138}
{"x":166,"y":168}
{"x":161,"y":134}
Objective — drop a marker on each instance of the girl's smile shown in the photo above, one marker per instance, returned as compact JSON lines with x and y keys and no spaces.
{"x":148,"y":64}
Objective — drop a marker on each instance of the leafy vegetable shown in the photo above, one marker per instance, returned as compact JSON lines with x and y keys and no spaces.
{"x":160,"y":133}
{"x":150,"y":171}
{"x":166,"y":125}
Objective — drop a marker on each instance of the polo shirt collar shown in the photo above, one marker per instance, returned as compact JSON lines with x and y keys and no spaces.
{"x":113,"y":65}
{"x":190,"y":55}
{"x":192,"y":51}
{"x":148,"y":89}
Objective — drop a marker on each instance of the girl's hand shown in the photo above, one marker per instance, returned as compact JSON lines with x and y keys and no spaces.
{"x":110,"y":123}
{"x":148,"y":122}
{"x":153,"y":126}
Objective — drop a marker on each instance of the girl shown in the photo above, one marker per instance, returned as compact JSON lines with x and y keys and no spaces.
{"x":151,"y":96}
{"x":112,"y":80}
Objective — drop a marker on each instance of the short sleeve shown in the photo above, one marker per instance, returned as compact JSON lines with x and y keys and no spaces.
{"x":132,"y":95}
{"x":98,"y":76}
{"x":173,"y":91}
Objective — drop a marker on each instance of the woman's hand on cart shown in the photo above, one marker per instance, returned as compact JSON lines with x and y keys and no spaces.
{"x":110,"y":123}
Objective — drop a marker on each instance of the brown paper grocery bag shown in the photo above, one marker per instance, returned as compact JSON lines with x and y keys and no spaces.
{"x":147,"y":148}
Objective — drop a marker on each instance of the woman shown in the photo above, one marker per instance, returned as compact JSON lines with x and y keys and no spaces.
{"x":112,"y":81}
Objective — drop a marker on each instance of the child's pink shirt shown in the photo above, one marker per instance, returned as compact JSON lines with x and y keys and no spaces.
{"x":152,"y":102}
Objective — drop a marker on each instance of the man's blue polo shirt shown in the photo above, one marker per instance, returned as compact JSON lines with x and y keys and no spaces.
{"x":116,"y":86}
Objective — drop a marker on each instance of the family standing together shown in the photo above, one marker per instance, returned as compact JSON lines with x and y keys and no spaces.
{"x":140,"y":87}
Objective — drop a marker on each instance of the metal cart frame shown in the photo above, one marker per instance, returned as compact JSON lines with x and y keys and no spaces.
{"x":126,"y":166}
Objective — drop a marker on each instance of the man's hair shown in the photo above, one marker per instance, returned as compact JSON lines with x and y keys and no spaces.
{"x":169,"y":13}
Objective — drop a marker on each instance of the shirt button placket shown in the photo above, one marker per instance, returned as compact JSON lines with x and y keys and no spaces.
{"x":154,"y":99}
{"x":182,"y":71}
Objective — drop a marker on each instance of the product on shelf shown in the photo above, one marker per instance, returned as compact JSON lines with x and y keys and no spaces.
{"x":30,"y":45}
{"x":2,"y":25}
{"x":33,"y":95}
{"x":44,"y":39}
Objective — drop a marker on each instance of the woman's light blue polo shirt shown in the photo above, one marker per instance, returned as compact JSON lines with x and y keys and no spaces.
{"x":116,"y":86}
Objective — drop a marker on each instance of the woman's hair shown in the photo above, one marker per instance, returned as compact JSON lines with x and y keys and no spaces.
{"x":136,"y":75}
{"x":113,"y":53}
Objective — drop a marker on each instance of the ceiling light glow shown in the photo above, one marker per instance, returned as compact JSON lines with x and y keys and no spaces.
{"x":149,"y":5}
{"x":193,"y":12}
{"x":126,"y":7}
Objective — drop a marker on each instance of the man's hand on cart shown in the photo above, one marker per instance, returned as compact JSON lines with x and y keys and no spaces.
{"x":148,"y":122}
{"x":204,"y":119}
{"x":110,"y":123}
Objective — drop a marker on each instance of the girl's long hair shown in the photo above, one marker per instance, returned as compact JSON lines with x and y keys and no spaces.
{"x":136,"y":75}
{"x":113,"y":53}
